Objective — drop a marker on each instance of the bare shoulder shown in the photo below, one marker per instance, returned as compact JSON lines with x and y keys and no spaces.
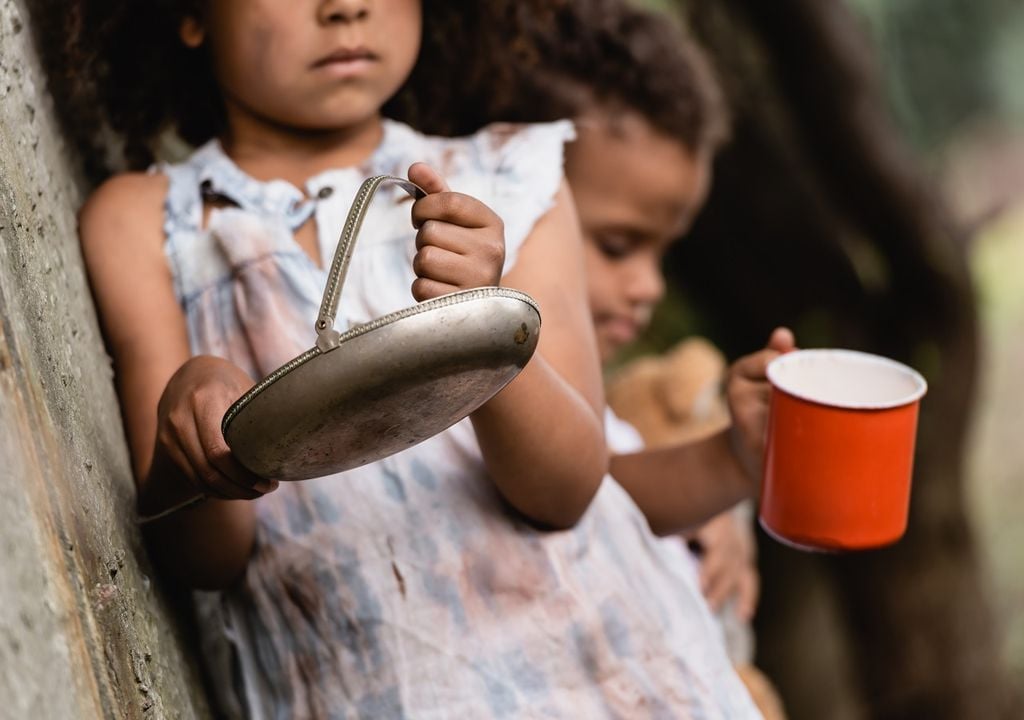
{"x":125,"y":210}
{"x":121,"y":231}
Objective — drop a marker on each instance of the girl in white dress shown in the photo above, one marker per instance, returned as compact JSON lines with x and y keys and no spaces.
{"x":490,"y":572}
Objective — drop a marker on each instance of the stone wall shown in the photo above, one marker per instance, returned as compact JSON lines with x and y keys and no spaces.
{"x":84,"y":630}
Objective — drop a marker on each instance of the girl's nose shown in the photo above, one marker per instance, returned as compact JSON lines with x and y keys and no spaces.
{"x":646,"y":283}
{"x":343,"y":11}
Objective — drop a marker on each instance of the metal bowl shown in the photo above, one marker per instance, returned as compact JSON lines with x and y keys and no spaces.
{"x":386,"y":386}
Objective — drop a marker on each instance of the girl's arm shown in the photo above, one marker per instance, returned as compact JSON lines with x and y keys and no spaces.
{"x":171,"y":404}
{"x":683,"y":486}
{"x":542,"y":436}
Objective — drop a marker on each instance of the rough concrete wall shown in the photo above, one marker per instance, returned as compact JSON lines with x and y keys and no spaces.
{"x":84,"y":632}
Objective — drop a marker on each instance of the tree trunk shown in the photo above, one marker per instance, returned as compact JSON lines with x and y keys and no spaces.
{"x":818,"y":220}
{"x":84,"y":630}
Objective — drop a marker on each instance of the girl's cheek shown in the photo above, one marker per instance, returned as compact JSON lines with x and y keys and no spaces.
{"x":609,"y":280}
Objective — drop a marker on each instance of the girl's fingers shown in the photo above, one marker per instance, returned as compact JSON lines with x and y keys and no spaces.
{"x":746,"y":396}
{"x":753,"y":368}
{"x":220,"y":458}
{"x":752,"y":391}
{"x":210,"y":478}
{"x":459,"y":271}
{"x":456,"y":238}
{"x":460,"y":242}
{"x":782,"y":340}
{"x":178,"y":457}
{"x":427,"y":178}
{"x":219,"y":455}
{"x":459,"y":257}
{"x":454,"y":208}
{"x":435,"y":263}
{"x":716,"y":589}
{"x":427,"y":289}
{"x":714,"y":579}
{"x":746,"y":595}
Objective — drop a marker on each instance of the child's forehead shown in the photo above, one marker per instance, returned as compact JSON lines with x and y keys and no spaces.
{"x":631,"y":152}
{"x":644,"y":186}
{"x":622,"y":123}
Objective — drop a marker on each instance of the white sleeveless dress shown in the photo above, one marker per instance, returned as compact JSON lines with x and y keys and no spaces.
{"x":406,"y":589}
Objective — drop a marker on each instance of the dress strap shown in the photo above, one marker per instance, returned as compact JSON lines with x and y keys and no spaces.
{"x":183,"y":218}
{"x":183,"y":207}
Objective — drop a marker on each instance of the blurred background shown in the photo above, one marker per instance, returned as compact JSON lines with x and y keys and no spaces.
{"x":953,"y":74}
{"x":873,"y":197}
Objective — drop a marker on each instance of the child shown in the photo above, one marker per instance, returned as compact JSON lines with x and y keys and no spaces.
{"x":640,"y":171}
{"x":429,"y":584}
{"x":649,"y":118}
{"x":637,"y":189}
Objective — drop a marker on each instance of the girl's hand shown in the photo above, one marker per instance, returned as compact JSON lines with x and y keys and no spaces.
{"x":748,"y":393}
{"x":727,"y":570}
{"x":460,"y":242}
{"x":188,"y":429}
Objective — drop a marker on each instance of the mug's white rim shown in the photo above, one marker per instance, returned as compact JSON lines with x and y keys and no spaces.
{"x":858,"y":356}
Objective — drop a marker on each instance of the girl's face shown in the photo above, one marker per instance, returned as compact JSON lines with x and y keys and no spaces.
{"x":636,"y":192}
{"x":309,"y":64}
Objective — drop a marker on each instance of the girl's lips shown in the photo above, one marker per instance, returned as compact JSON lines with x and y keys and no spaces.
{"x":620,"y":331}
{"x":346,"y":62}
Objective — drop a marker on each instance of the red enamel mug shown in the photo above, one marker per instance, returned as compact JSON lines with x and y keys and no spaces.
{"x":840,"y":449}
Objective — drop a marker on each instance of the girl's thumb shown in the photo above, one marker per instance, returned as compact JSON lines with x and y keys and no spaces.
{"x":427,"y":178}
{"x":782,"y":340}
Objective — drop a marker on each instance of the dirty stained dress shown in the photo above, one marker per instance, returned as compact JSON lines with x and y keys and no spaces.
{"x":405,"y":588}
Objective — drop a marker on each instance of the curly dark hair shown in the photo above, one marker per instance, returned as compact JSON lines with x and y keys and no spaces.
{"x":118,"y":70}
{"x":558,"y":61}
{"x":118,"y":67}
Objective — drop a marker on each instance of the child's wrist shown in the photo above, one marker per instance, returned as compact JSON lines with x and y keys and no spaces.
{"x":746,"y":463}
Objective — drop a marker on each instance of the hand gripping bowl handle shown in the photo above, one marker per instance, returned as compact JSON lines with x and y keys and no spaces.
{"x":327,"y":334}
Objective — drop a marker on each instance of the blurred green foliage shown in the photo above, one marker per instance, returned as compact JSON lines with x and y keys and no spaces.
{"x":947,"y":64}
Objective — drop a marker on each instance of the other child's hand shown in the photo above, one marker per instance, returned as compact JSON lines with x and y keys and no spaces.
{"x":748,"y":393}
{"x":727,"y":568}
{"x":460,"y":242}
{"x":188,"y":429}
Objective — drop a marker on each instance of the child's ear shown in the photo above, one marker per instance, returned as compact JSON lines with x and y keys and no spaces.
{"x":192,"y":32}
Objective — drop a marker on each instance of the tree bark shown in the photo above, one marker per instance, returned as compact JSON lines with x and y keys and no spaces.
{"x":818,"y":219}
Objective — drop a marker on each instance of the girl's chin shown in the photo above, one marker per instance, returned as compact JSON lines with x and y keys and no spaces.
{"x":609,"y":349}
{"x":616,"y":335}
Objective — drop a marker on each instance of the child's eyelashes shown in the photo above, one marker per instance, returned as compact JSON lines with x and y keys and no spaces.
{"x":614,"y":247}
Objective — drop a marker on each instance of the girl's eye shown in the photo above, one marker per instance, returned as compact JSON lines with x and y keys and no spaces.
{"x":614,"y":247}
